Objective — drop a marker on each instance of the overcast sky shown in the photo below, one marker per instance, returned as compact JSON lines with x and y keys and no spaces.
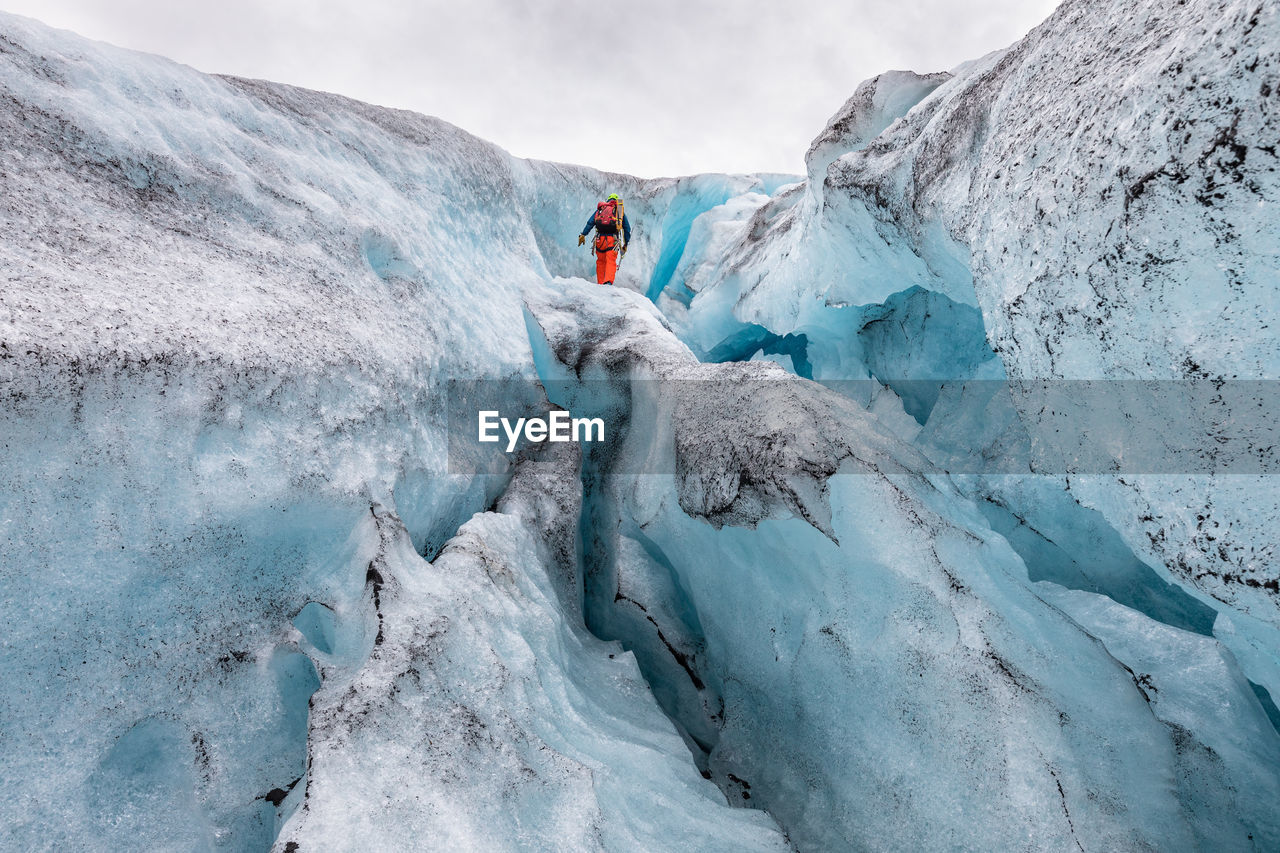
{"x":656,"y":87}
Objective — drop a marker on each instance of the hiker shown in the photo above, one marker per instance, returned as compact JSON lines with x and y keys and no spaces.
{"x":606,"y":247}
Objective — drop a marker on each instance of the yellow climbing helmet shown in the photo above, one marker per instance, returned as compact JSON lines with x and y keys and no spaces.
{"x":613,"y":196}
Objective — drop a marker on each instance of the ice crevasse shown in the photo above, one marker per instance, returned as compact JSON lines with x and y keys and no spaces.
{"x":252,"y":600}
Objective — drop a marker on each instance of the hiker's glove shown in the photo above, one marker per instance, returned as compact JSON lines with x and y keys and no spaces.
{"x":581,"y":239}
{"x":624,"y":250}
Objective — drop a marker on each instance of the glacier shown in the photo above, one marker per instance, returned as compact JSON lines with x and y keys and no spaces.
{"x":260,"y":595}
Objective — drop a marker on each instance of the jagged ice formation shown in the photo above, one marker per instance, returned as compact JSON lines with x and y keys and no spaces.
{"x":255,"y":599}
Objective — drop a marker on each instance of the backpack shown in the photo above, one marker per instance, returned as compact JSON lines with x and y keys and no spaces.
{"x":607,"y":215}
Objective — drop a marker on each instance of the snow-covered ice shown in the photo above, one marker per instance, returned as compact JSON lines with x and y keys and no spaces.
{"x":254,"y":599}
{"x":883,"y":671}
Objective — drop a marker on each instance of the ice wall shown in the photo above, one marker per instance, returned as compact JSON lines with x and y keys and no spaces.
{"x":487,"y":718}
{"x":881,"y":669}
{"x":1104,"y":191}
{"x":1114,"y":179}
{"x":229,"y":311}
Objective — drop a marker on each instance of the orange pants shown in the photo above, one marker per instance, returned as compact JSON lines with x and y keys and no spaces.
{"x":606,"y":249}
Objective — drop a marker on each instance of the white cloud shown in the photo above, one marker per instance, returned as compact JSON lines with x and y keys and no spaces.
{"x":661,"y":87}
